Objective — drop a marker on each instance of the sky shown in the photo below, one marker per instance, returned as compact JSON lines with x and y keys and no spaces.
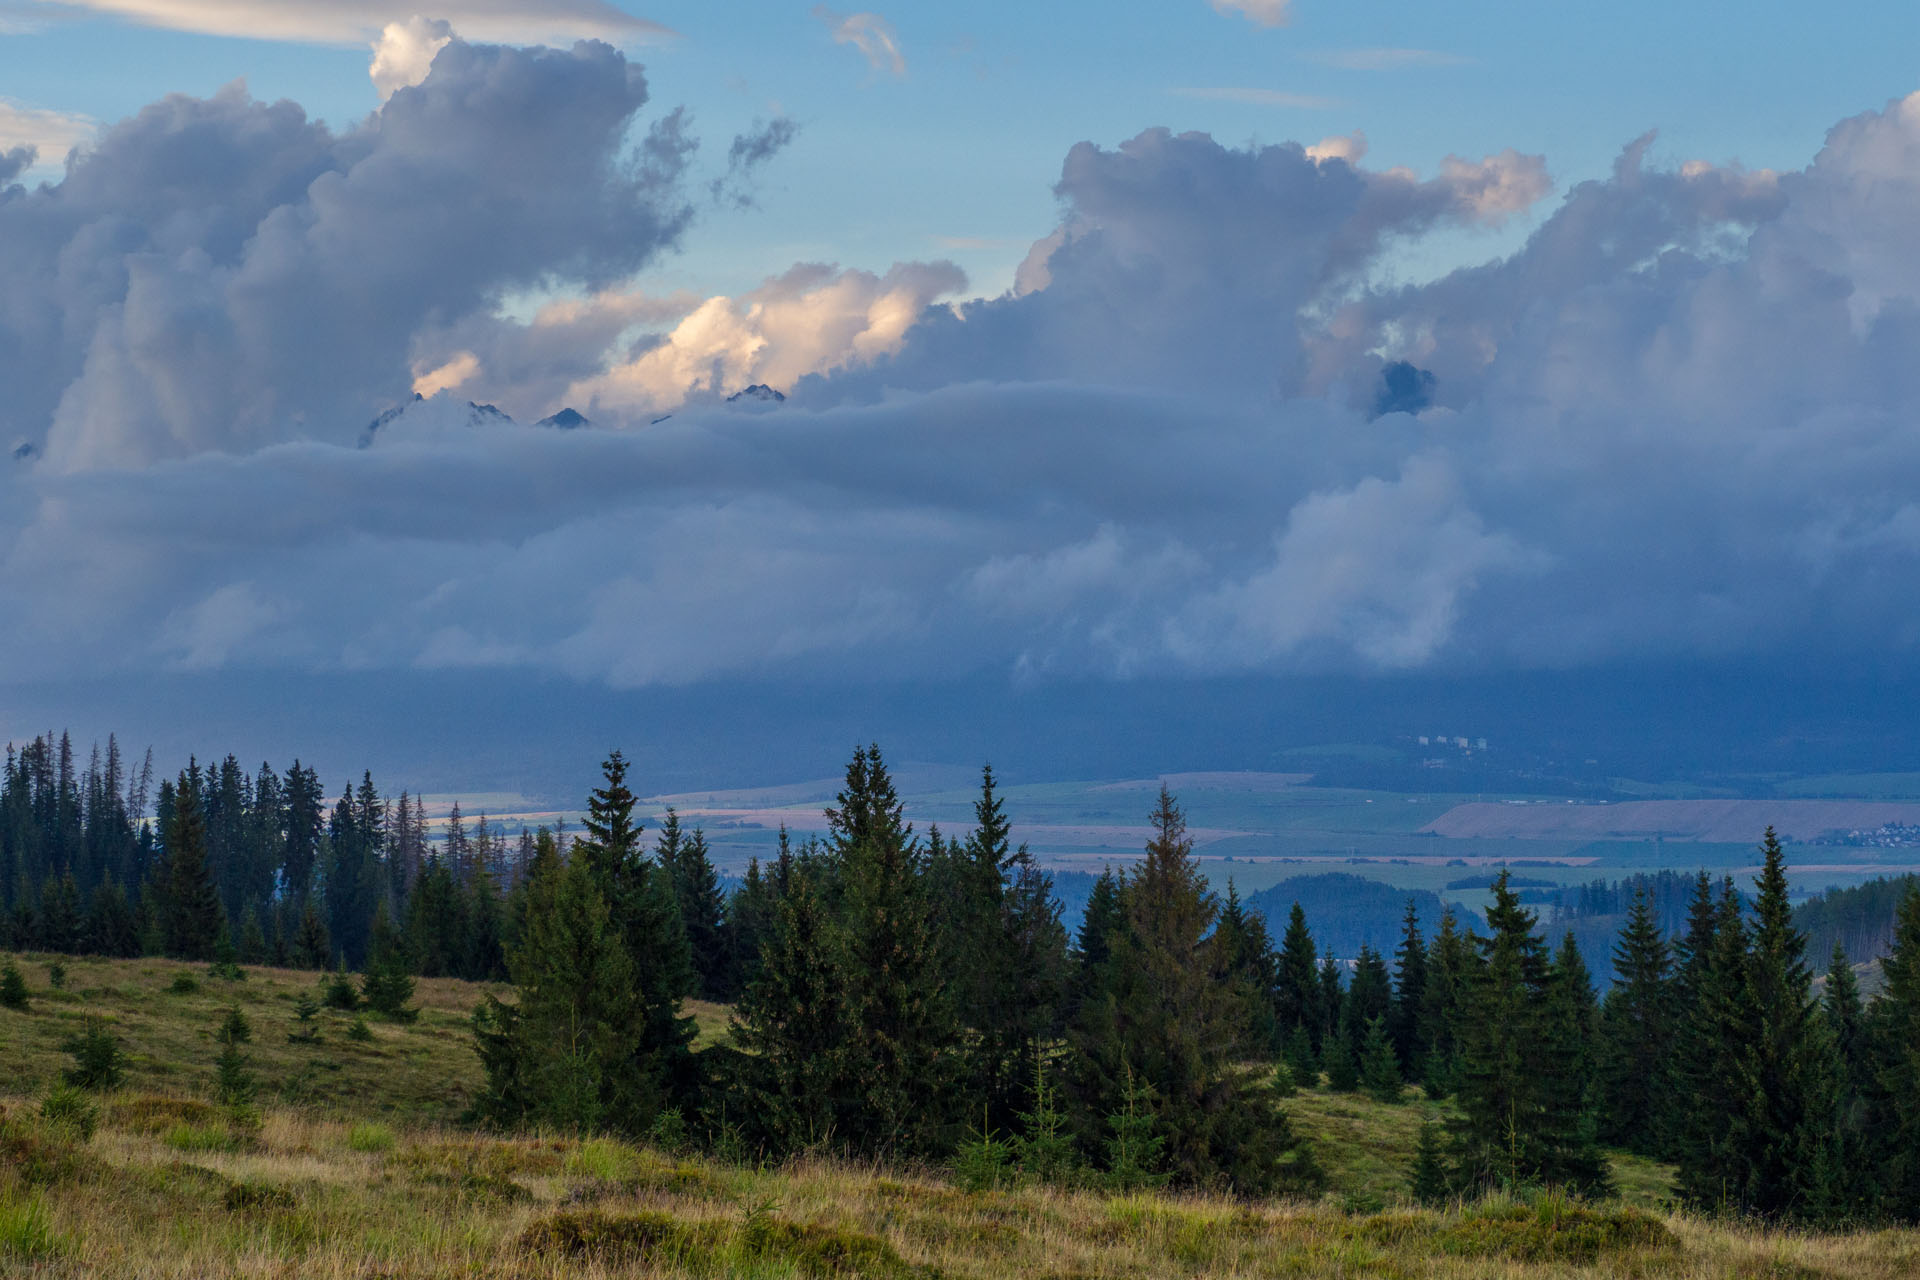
{"x":1232,"y":340}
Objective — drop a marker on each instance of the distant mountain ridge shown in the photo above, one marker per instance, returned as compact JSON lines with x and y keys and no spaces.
{"x":444,"y":412}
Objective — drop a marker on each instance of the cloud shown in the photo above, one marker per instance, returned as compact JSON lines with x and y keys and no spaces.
{"x":1262,"y":98}
{"x":870,"y":33}
{"x":1388,"y":59}
{"x":36,"y":135}
{"x":404,"y":53}
{"x":355,"y":21}
{"x":1262,"y":13}
{"x":1677,"y":423}
{"x":813,"y":319}
{"x":223,"y":273}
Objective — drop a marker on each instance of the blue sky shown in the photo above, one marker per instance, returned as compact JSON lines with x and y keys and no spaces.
{"x":955,"y":157}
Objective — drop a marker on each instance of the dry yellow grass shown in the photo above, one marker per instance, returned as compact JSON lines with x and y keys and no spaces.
{"x":370,"y":1177}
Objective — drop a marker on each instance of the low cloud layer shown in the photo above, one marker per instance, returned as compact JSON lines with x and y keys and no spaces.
{"x":1200,"y":437}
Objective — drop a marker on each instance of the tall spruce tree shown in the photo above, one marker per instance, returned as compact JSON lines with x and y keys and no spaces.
{"x":644,"y":911}
{"x":1450,"y":965}
{"x":703,"y":913}
{"x":1894,"y":1057}
{"x":1409,"y":995}
{"x":1523,"y":1097}
{"x":1251,"y":965}
{"x":1170,"y":1023}
{"x":1760,"y":1083}
{"x":795,"y":1020}
{"x":1007,"y":952}
{"x":904,"y":1038}
{"x":1851,"y":1189}
{"x":1637,"y":1027}
{"x":190,"y":904}
{"x":568,"y":1052}
{"x":1296,"y":991}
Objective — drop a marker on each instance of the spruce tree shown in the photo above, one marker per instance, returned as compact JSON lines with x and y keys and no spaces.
{"x":1894,"y":1058}
{"x":1449,"y":971}
{"x":643,"y":907}
{"x":904,"y":1039}
{"x":1637,"y":1028}
{"x":1006,"y":950}
{"x":1850,"y":1181}
{"x":703,"y":913}
{"x":1429,"y":1181}
{"x":1409,"y":995}
{"x":1370,"y":996}
{"x":568,"y":1051}
{"x":1296,"y":991}
{"x":1170,"y":1023}
{"x":1524,"y":1083}
{"x":795,"y":1020}
{"x":387,"y":984}
{"x":312,"y":949}
{"x":1379,"y":1064}
{"x":1248,"y":956}
{"x":112,"y":929}
{"x":1790,"y":1059}
{"x":749,"y":923}
{"x":1762,"y":1101}
{"x":13,"y":987}
{"x":190,"y":905}
{"x":1567,"y":1051}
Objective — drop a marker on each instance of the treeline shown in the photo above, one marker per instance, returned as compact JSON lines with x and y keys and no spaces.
{"x":260,"y":869}
{"x":1859,"y":920}
{"x":918,"y":997}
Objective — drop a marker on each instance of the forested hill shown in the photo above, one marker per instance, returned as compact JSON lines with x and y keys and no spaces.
{"x":1350,"y":911}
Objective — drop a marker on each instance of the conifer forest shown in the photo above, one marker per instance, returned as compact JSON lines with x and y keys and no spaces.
{"x":915,"y":999}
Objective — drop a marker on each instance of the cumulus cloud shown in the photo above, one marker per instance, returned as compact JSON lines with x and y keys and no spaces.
{"x":223,"y":273}
{"x":353,"y":21}
{"x":813,"y":319}
{"x":1677,"y":422}
{"x":870,"y":33}
{"x":1262,"y":13}
{"x":404,"y":53}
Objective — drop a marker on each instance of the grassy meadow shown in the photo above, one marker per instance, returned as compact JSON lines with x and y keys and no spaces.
{"x":354,"y":1164}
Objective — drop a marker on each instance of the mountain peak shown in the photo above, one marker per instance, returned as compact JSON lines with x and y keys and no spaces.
{"x":758,"y":391}
{"x":566,"y":420}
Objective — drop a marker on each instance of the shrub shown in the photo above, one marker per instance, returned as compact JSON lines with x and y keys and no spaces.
{"x":305,"y":1010}
{"x":359,"y":1030}
{"x":66,"y":1107}
{"x":98,"y":1062}
{"x":983,"y":1162}
{"x":612,"y":1239}
{"x":369,"y":1137}
{"x":244,"y":1196}
{"x":57,"y":976}
{"x":13,"y":987}
{"x":232,"y":1083}
{"x":184,"y":984}
{"x":339,"y":992}
{"x":236,"y":1029}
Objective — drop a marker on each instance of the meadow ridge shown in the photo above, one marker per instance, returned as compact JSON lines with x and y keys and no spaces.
{"x":355,"y":1163}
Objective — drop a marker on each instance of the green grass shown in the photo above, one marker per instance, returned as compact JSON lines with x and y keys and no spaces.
{"x":372,"y":1175}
